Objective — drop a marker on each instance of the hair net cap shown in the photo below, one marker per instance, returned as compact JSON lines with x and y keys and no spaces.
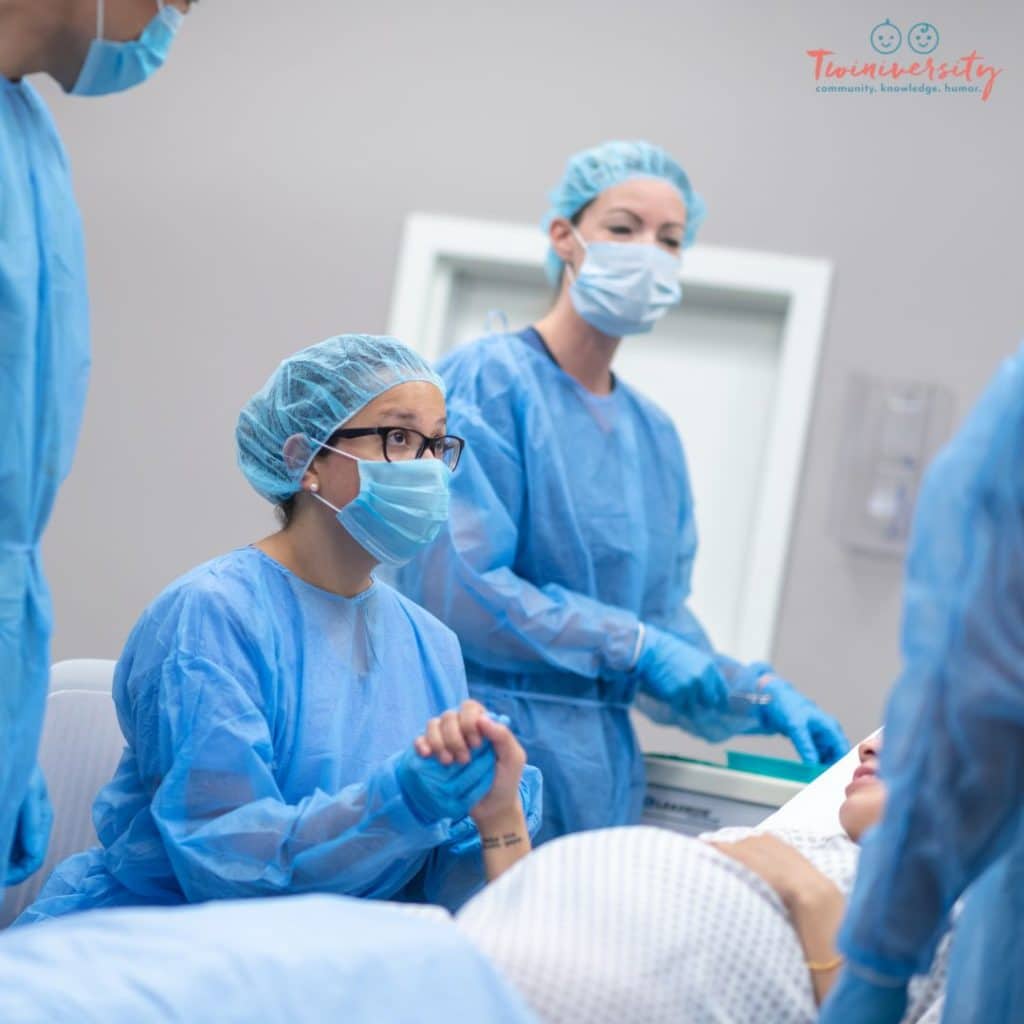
{"x":309,"y":396}
{"x":590,"y":172}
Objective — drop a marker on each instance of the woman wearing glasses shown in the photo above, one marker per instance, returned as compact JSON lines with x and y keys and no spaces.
{"x":291,"y":723}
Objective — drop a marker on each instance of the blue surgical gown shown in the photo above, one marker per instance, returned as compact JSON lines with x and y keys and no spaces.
{"x":571,"y":522}
{"x":263,"y":720}
{"x":954,"y":732}
{"x":44,"y":369}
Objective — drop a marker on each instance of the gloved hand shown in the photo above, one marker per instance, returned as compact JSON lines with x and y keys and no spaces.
{"x":685,"y":687}
{"x":854,"y":1000}
{"x":818,"y":737}
{"x":32,"y":833}
{"x":435,"y":791}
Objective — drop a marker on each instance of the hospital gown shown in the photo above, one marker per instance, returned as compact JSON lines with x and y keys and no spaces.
{"x":264,"y":718}
{"x":645,"y":924}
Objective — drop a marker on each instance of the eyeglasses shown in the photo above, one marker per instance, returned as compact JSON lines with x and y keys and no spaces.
{"x":400,"y":444}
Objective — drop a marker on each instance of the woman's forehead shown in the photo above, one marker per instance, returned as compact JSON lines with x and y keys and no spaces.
{"x":648,"y":198}
{"x":410,"y":402}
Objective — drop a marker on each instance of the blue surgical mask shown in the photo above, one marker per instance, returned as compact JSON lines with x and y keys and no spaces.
{"x":400,"y":507}
{"x":113,"y":67}
{"x":624,"y":287}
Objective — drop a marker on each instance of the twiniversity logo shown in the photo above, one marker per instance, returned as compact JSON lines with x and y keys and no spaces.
{"x":915,"y":71}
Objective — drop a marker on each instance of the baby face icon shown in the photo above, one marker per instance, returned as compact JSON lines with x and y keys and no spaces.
{"x":886,"y":37}
{"x":923,"y":37}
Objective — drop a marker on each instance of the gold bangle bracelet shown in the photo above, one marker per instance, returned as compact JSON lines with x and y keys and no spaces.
{"x":829,"y":965}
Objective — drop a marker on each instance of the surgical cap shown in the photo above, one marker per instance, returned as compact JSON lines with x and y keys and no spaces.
{"x":589,"y":173}
{"x":309,"y":396}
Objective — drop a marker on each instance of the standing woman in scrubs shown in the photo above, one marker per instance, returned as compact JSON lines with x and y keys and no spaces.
{"x":292,"y":724}
{"x":565,"y":567}
{"x":90,"y":48}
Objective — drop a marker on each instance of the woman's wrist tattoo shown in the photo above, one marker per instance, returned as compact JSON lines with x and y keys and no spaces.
{"x":505,"y":839}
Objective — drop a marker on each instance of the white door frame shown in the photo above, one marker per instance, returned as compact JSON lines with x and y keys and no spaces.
{"x":435,"y":247}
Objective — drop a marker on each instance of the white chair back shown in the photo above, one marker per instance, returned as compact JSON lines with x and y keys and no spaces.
{"x":79,"y":751}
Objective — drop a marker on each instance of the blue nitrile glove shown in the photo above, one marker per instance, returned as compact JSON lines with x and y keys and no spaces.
{"x":855,"y":1000}
{"x":32,"y":833}
{"x":818,"y":737}
{"x":681,"y":684}
{"x":435,"y":791}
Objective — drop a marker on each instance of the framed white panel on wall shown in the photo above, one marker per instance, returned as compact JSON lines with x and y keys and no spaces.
{"x":735,"y":366}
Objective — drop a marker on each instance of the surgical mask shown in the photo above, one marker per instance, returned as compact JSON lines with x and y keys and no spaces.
{"x":113,"y":67}
{"x":400,"y":507}
{"x":624,"y":287}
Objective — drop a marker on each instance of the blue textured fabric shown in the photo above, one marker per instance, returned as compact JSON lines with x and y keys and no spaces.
{"x":591,"y":171}
{"x":264,"y":721}
{"x":954,"y":733}
{"x":297,"y":960}
{"x":309,"y":396}
{"x":856,"y":998}
{"x":571,"y":522}
{"x":989,"y":932}
{"x":44,"y":370}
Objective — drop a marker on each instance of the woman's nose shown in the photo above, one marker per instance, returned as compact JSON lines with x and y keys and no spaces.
{"x":868,"y":748}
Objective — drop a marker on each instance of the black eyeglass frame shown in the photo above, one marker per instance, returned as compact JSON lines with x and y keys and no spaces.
{"x":382,"y":433}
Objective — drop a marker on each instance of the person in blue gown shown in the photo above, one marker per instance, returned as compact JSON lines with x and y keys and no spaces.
{"x":44,"y":348}
{"x":565,"y":567}
{"x":292,"y":724}
{"x":954,"y":744}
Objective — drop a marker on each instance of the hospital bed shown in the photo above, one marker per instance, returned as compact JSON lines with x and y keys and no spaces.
{"x":694,"y":797}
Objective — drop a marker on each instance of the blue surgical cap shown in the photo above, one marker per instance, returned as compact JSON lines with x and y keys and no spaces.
{"x":589,"y":173}
{"x":309,"y":396}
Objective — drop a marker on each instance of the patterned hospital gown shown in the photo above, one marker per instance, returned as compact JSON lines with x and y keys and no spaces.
{"x":643,"y":924}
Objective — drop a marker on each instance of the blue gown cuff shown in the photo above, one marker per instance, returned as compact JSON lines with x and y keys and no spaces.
{"x":860,"y":997}
{"x":463,"y":835}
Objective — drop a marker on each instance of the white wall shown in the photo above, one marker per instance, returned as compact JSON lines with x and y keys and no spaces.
{"x":250,"y":199}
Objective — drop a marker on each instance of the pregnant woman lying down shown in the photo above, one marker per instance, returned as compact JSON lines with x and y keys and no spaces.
{"x":643,"y":924}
